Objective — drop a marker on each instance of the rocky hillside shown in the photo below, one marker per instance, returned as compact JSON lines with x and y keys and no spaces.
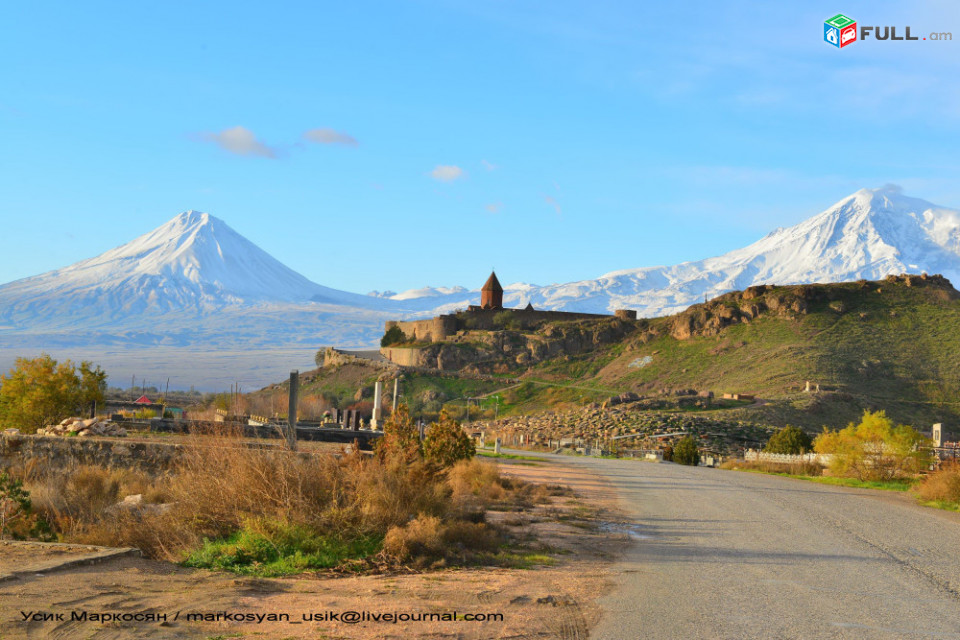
{"x":892,"y":344}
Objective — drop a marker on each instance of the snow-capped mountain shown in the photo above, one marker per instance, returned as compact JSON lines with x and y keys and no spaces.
{"x":194,"y":264}
{"x":195,"y":299}
{"x":194,"y":279}
{"x":869,"y":234}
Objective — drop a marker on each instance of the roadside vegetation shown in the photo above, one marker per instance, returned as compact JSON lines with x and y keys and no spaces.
{"x":265,"y":511}
{"x":873,"y":454}
{"x":942,"y":488}
{"x":789,"y":440}
{"x":685,"y":451}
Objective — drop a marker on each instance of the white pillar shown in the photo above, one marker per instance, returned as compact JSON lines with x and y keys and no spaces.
{"x":377,"y":409}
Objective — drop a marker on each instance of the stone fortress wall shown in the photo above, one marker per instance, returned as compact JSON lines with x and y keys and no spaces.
{"x":443,"y":327}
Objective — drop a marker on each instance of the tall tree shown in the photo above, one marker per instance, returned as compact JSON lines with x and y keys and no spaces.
{"x":39,"y":391}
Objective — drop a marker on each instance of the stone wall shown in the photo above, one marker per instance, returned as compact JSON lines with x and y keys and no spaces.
{"x":443,"y":327}
{"x":152,"y":457}
{"x":116,"y":454}
{"x":433,"y":330}
{"x":501,"y":351}
{"x":410,"y":357}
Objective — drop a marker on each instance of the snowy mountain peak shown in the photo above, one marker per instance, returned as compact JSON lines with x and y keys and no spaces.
{"x":870,"y":234}
{"x":194,"y":262}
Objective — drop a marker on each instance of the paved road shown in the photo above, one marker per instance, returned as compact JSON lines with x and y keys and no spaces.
{"x":727,"y":554}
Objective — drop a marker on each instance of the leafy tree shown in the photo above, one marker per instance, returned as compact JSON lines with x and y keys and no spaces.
{"x":319,"y":357}
{"x":38,"y":391}
{"x":506,"y":320}
{"x":223,"y":401}
{"x":446,"y":442}
{"x":875,"y":449}
{"x":790,"y":440}
{"x":394,"y":335}
{"x":93,"y":384}
{"x":14,"y":502}
{"x":686,"y":451}
{"x":401,"y":437}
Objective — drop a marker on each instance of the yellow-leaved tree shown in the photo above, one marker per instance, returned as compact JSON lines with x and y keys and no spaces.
{"x":39,"y":391}
{"x":875,"y":449}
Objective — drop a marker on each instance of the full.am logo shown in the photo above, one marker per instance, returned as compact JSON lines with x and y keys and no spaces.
{"x":841,"y":30}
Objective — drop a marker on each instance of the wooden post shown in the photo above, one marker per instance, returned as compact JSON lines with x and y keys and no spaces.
{"x":292,"y":410}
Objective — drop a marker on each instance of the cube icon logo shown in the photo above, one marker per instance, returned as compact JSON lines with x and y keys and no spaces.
{"x":840,"y":30}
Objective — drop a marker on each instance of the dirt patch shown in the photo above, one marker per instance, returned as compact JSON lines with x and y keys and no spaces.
{"x":18,"y":556}
{"x":560,"y":541}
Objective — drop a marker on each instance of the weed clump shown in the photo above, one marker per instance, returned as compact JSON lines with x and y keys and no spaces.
{"x":942,"y":486}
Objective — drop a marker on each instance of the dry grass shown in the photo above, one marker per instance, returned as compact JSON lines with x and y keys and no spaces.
{"x":789,"y":468}
{"x":428,"y":541}
{"x":225,"y":492}
{"x":942,"y":486}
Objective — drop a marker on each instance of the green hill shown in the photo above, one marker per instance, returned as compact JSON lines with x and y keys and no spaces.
{"x":892,"y":344}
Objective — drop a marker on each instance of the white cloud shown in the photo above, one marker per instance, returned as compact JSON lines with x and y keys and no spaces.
{"x":239,"y":140}
{"x":447,"y":173}
{"x":330,"y":136}
{"x":489,"y":166}
{"x":550,"y":200}
{"x":494,"y":207}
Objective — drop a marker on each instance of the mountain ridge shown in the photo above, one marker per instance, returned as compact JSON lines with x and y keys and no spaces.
{"x":869,"y":234}
{"x":196,"y":269}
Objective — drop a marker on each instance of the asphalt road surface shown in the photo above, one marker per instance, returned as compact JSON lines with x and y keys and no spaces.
{"x":728,"y":554}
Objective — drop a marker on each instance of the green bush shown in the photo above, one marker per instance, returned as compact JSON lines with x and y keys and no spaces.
{"x":401,"y":437}
{"x":273,"y":548}
{"x":789,"y":440}
{"x":446,"y":442}
{"x":686,"y":452}
{"x":507,"y":320}
{"x":394,"y":335}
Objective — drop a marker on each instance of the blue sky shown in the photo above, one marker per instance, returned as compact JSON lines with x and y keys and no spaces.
{"x":394,"y":145}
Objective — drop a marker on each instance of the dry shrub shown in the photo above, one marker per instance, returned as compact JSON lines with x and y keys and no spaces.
{"x":468,"y":538}
{"x":223,"y":483}
{"x":421,"y":538}
{"x":428,"y":540}
{"x":157,"y":534}
{"x":942,"y":485}
{"x":70,"y":499}
{"x":474,"y":482}
{"x":389,"y":492}
{"x":76,"y":500}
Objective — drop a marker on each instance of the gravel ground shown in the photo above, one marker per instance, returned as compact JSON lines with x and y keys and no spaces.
{"x":727,"y":554}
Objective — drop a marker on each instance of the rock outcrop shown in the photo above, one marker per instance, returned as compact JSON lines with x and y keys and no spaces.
{"x":83,"y":428}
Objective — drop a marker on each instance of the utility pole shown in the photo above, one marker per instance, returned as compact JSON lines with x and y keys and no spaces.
{"x":292,"y":410}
